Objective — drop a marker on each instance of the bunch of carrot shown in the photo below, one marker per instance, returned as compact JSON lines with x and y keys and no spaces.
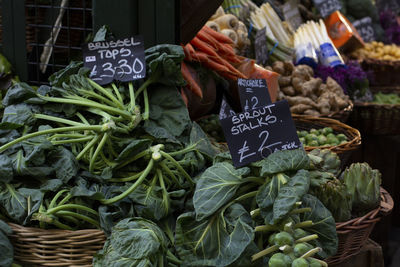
{"x":213,"y":50}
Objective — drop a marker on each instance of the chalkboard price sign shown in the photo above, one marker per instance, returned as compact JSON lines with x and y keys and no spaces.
{"x":253,"y":135}
{"x":260,"y":47}
{"x":121,"y":60}
{"x":225,"y":111}
{"x":365,"y":29}
{"x":327,"y":7}
{"x":253,"y":93}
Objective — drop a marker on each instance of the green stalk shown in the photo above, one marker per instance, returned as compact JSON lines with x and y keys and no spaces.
{"x":111,"y":149}
{"x":136,"y":157}
{"x":78,"y":216}
{"x":310,"y":253}
{"x":60,"y":225}
{"x":99,"y":97}
{"x":264,"y":252}
{"x":41,"y":210}
{"x":106,"y":160}
{"x":178,"y":166}
{"x":69,"y":218}
{"x":56,"y":197}
{"x":306,"y":238}
{"x":255,"y":213}
{"x":304,"y":224}
{"x":51,"y":131}
{"x":146,"y":105}
{"x":106,"y":93}
{"x":116,"y":91}
{"x":88,"y":103}
{"x":56,"y":119}
{"x":98,"y":149}
{"x":87,"y":147}
{"x":266,"y":228}
{"x":126,"y":179}
{"x":132,"y":96}
{"x":164,"y":189}
{"x":323,"y":264}
{"x":144,"y":86}
{"x":299,"y":211}
{"x":160,"y":260}
{"x":71,"y":206}
{"x":169,"y":172}
{"x":82,"y":118}
{"x":173,"y":258}
{"x":69,"y":141}
{"x":132,"y":187}
{"x":55,"y":136}
{"x":183,"y":151}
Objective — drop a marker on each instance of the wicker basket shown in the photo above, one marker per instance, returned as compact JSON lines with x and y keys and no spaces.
{"x":341,"y":115}
{"x":385,"y":71}
{"x":39,"y":247}
{"x":304,"y":122}
{"x":377,"y":119}
{"x":354,"y":233}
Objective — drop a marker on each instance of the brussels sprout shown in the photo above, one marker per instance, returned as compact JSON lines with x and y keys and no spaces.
{"x":271,"y":239}
{"x":322,"y":140}
{"x":327,"y":130}
{"x":314,"y":131}
{"x":311,"y":137}
{"x":330,"y":135}
{"x":283,"y":238}
{"x":302,"y":140}
{"x":301,"y":249}
{"x":341,"y":137}
{"x":299,"y":233}
{"x":333,"y":140}
{"x":314,"y":263}
{"x":313,"y":143}
{"x":278,"y":260}
{"x":300,"y":262}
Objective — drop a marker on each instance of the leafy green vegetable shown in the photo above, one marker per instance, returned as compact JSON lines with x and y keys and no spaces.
{"x":133,"y":242}
{"x":215,"y":241}
{"x":323,"y":225}
{"x":283,"y":161}
{"x":6,"y":248}
{"x":216,"y":186}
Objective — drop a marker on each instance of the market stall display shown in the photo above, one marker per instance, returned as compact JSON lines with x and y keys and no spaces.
{"x":138,"y":172}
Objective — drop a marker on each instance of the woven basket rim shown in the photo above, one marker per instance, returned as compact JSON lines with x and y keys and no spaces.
{"x":349,"y":131}
{"x":346,"y":110}
{"x":385,"y":207}
{"x":376,"y":105}
{"x":56,"y":232}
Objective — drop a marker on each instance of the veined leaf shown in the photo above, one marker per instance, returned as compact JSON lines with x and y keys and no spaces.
{"x":283,"y":161}
{"x":216,"y":186}
{"x":323,"y":225}
{"x":6,"y":248}
{"x":295,"y":189}
{"x":216,"y":241}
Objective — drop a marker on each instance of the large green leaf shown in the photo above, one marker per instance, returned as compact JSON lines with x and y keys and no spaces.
{"x":149,"y":203}
{"x":288,"y":195}
{"x":169,"y":117}
{"x":323,"y":225}
{"x":215,"y":241}
{"x":283,"y":161}
{"x":6,"y":248}
{"x":6,"y":169}
{"x":64,"y":163}
{"x":18,"y":93}
{"x":133,"y":242}
{"x":215,"y":187}
{"x":203,"y":144}
{"x":20,"y":114}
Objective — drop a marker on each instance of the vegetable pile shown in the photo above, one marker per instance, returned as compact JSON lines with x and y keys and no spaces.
{"x":321,"y":137}
{"x":378,"y":50}
{"x":306,"y":94}
{"x":389,"y":99}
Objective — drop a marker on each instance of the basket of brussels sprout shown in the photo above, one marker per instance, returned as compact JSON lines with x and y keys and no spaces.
{"x":325,"y":133}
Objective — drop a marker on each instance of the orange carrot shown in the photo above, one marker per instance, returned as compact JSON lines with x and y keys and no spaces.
{"x":218,"y":36}
{"x":190,"y":49}
{"x":192,"y":84}
{"x":203,"y":46}
{"x":204,"y":36}
{"x":188,"y":56}
{"x":231,"y":68}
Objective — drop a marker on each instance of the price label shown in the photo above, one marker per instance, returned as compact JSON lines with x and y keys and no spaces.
{"x":292,"y":14}
{"x":121,"y":60}
{"x":253,"y":135}
{"x":365,"y":29}
{"x":253,"y":93}
{"x":225,"y":111}
{"x":327,"y":7}
{"x":260,"y":47}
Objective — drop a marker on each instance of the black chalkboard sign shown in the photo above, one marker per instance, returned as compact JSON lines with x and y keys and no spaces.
{"x":260,"y":47}
{"x":253,"y":93}
{"x":121,"y":60}
{"x":225,"y":111}
{"x":255,"y":134}
{"x":327,"y":7}
{"x":365,"y":29}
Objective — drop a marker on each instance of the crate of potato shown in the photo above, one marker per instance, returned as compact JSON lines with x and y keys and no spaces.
{"x":310,"y":96}
{"x":383,"y":60}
